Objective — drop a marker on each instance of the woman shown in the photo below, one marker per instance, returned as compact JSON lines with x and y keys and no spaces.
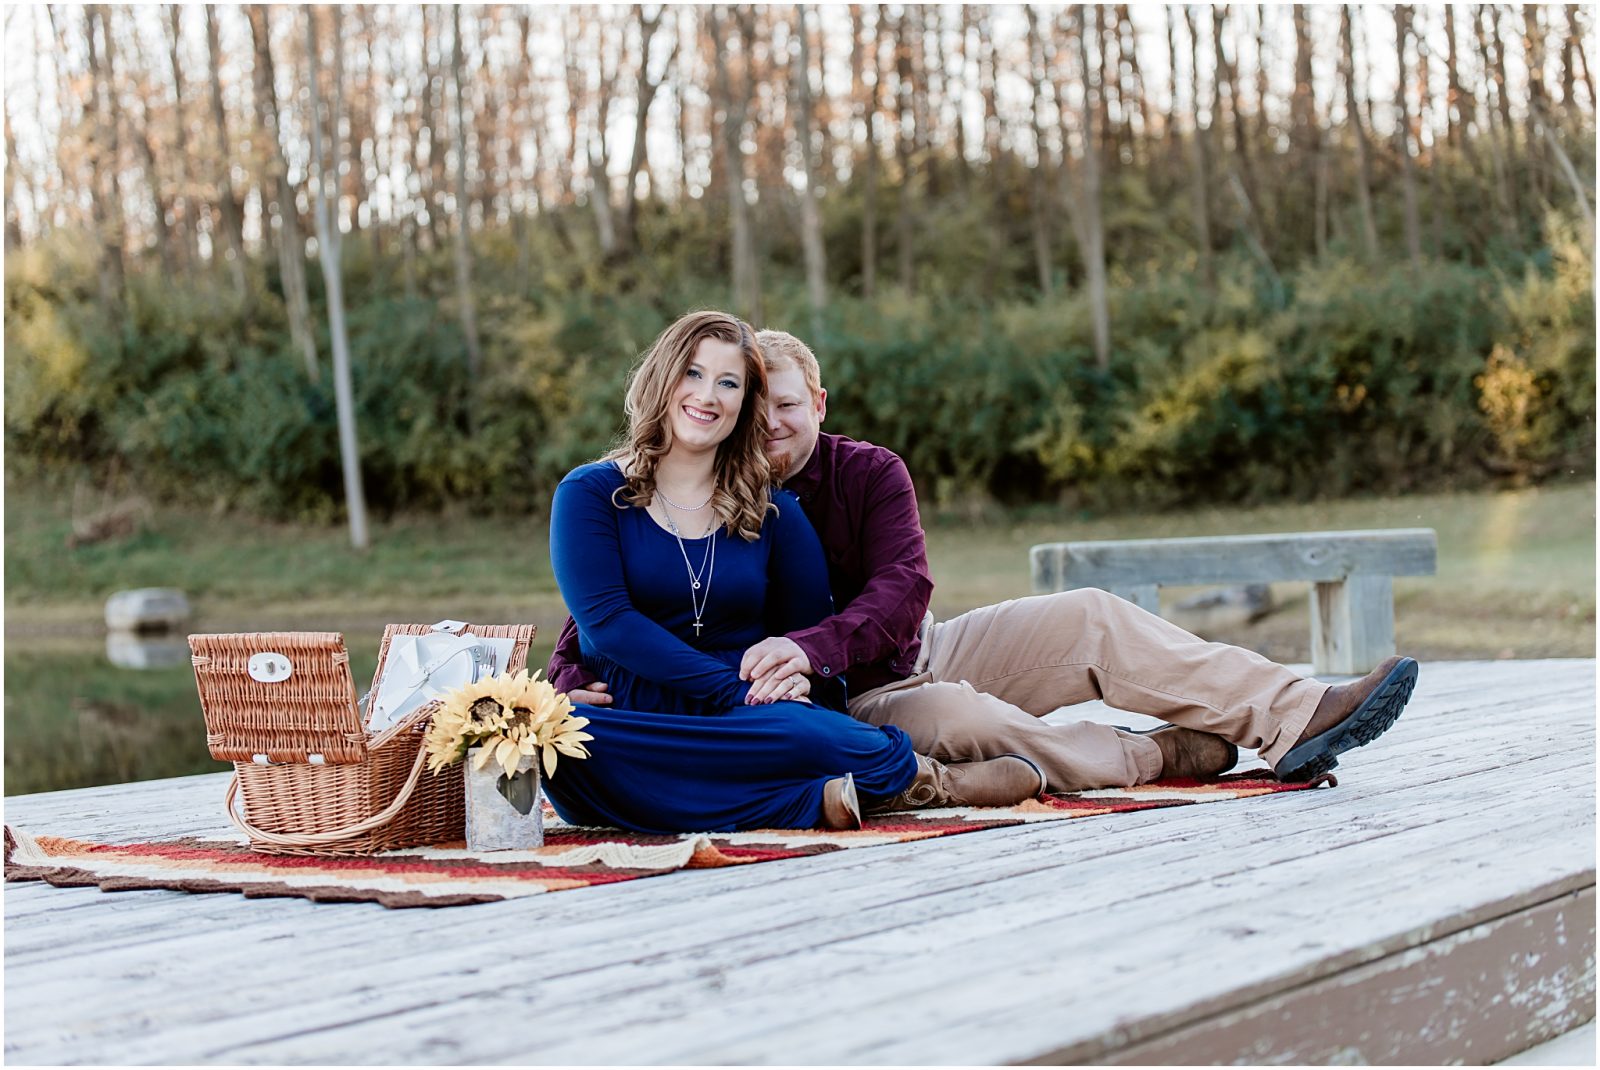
{"x":674,"y":556}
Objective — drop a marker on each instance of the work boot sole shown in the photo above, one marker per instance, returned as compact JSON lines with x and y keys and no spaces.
{"x":1317,"y":755}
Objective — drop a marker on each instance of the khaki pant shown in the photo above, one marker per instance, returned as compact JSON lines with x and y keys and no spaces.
{"x":992,"y":673}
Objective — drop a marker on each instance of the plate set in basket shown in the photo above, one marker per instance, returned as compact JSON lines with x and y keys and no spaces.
{"x":315,"y":777}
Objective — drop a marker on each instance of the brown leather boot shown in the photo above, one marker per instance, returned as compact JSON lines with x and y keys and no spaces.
{"x":1349,"y":715}
{"x":1186,"y":752}
{"x":841,"y":809}
{"x":1003,"y":781}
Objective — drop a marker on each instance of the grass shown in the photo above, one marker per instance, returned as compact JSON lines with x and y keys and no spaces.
{"x":1516,"y":568}
{"x":1516,"y":579}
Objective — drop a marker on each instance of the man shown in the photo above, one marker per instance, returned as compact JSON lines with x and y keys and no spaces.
{"x":975,"y":687}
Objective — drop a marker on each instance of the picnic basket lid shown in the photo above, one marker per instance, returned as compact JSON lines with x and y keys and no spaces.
{"x":522,"y":634}
{"x":310,"y":712}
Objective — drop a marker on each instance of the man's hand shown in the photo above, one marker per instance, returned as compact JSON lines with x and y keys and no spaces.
{"x":593,"y":695}
{"x":769,"y":665}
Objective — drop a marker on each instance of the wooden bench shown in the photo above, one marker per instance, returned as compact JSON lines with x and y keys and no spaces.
{"x":1351,"y":575}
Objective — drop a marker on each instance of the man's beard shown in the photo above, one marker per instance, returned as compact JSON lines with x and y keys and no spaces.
{"x":784,"y":465}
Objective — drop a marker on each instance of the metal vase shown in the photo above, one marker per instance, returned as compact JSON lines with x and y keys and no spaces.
{"x":503,"y":813}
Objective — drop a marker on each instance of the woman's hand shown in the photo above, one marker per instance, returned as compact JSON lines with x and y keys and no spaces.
{"x":791,"y":688}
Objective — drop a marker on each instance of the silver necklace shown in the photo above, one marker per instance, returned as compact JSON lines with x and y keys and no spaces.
{"x":699,"y":582}
{"x":686,"y":508}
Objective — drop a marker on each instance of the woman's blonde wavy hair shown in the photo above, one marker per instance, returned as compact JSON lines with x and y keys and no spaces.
{"x":742,"y":493}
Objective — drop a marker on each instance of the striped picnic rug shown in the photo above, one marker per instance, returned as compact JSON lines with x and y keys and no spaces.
{"x":572,"y":857}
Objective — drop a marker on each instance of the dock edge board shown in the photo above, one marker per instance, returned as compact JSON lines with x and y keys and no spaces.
{"x":1475,"y":994}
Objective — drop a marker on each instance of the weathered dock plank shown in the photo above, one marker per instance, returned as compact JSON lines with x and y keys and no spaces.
{"x":1086,"y":939}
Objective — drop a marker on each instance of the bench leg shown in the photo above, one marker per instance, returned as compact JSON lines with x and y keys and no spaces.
{"x":1352,"y":624}
{"x":1144,"y":595}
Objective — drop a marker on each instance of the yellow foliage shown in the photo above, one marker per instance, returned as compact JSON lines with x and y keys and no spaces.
{"x":1514,"y":404}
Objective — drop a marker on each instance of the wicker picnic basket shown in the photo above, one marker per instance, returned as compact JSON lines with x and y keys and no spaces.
{"x":311,"y":778}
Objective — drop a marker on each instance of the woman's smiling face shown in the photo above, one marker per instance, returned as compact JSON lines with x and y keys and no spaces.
{"x":709,"y":397}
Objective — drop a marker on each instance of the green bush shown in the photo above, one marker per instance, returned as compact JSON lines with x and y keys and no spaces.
{"x":1338,"y":379}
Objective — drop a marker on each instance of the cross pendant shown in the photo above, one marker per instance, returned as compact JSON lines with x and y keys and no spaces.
{"x":697,"y":627}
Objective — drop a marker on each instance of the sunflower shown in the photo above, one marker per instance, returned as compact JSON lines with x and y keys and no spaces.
{"x":506,"y":717}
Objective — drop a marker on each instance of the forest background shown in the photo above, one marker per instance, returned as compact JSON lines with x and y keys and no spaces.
{"x":1104,"y":256}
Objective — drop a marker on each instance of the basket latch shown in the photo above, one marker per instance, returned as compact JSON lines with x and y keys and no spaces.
{"x":270,"y":667}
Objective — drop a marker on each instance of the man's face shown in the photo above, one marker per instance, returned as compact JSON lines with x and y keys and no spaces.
{"x":794,"y":418}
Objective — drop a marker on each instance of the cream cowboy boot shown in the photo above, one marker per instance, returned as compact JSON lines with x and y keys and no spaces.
{"x":1003,"y":781}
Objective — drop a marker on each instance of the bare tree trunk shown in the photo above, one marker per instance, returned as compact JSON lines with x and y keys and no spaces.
{"x":1128,"y":50}
{"x":438,"y":179}
{"x":1369,"y":225}
{"x":680,"y":84}
{"x":1505,"y":192}
{"x":867,"y":106}
{"x":1102,"y":46}
{"x":381,"y":161}
{"x":55,"y":46}
{"x":1580,"y":190}
{"x":903,"y":149}
{"x":1575,"y":38}
{"x":361,"y":124}
{"x":1263,"y":138}
{"x":1200,"y":188}
{"x":599,"y":155}
{"x":1402,"y":31}
{"x":107,"y":155}
{"x":1533,"y":56}
{"x":291,"y":247}
{"x":463,"y":248}
{"x":1305,"y":133}
{"x":187,"y":203}
{"x":1455,"y":105}
{"x":232,"y":222}
{"x":1170,"y":130}
{"x":994,"y":150}
{"x":328,"y":248}
{"x":486,"y":110}
{"x":1228,"y":69}
{"x":934,"y":83}
{"x":746,"y":278}
{"x":1498,"y":74}
{"x":522,"y":117}
{"x":810,"y":216}
{"x":917,"y":78}
{"x":963,"y":138}
{"x":1094,"y":245}
{"x":158,"y":199}
{"x":417,"y":187}
{"x":645,"y":96}
{"x":1461,"y":106}
{"x":13,"y":227}
{"x":988,"y":77}
{"x":1038,"y":195}
{"x":1436,"y":191}
{"x":139,"y":127}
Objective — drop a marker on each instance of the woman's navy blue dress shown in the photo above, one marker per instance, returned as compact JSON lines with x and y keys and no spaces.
{"x":678,"y":751}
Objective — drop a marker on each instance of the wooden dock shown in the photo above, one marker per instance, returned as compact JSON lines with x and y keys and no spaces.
{"x":1438,"y":906}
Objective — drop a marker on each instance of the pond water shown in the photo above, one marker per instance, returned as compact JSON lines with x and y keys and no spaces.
{"x":75,"y":717}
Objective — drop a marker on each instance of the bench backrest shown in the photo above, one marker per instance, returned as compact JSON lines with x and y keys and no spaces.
{"x":1314,"y":556}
